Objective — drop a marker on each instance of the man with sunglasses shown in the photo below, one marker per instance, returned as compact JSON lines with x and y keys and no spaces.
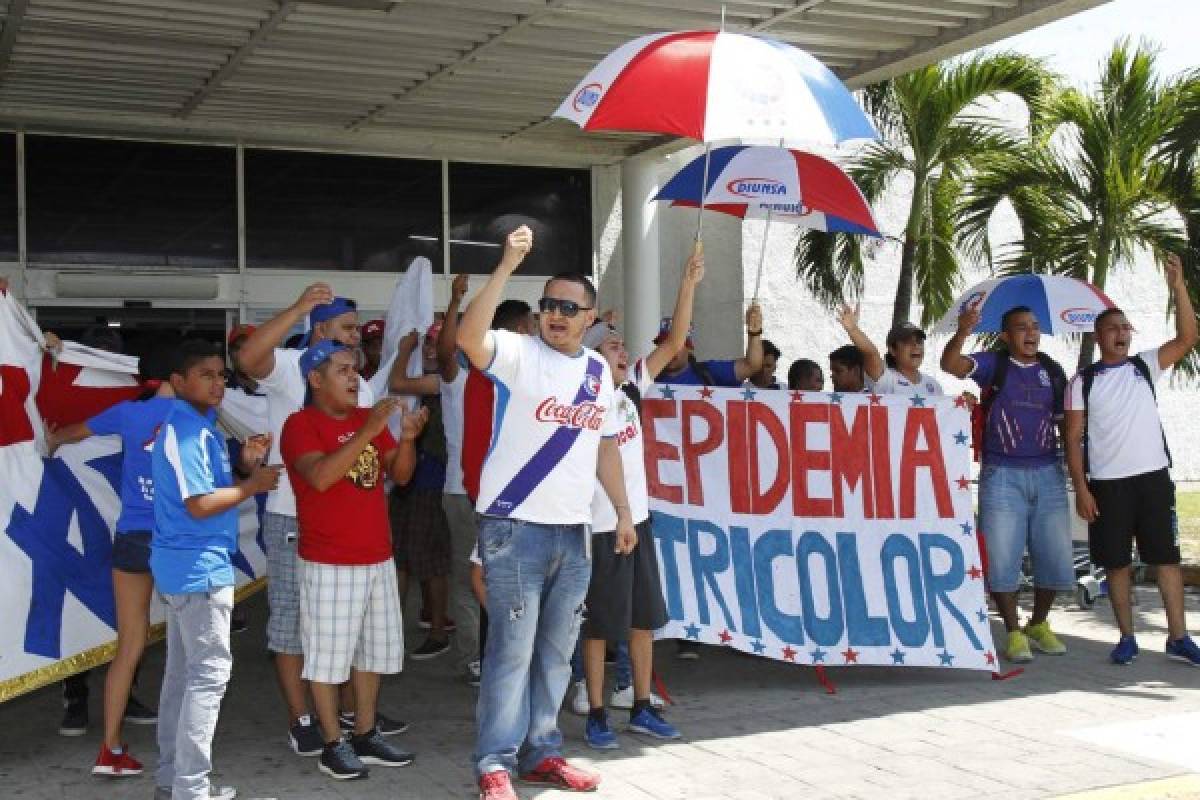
{"x":555,"y":434}
{"x":1119,"y":461}
{"x":277,"y":370}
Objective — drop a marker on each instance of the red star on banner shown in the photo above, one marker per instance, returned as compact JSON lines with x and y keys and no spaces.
{"x":706,"y":393}
{"x":964,"y":483}
{"x":960,"y":402}
{"x":788,"y":653}
{"x":851,"y":655}
{"x":991,"y":659}
{"x":975,"y":573}
{"x":876,"y":399}
{"x":797,"y":397}
{"x":725,"y":637}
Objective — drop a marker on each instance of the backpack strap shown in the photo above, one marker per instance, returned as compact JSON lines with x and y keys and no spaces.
{"x":1088,"y":375}
{"x":706,"y":376}
{"x":1058,"y":382}
{"x":999,"y":375}
{"x":1141,"y":366}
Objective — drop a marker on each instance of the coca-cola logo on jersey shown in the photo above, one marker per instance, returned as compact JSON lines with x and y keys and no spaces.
{"x":579,"y":415}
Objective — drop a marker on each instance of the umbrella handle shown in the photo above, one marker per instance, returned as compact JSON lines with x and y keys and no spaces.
{"x":703,"y":192}
{"x":762,"y":255}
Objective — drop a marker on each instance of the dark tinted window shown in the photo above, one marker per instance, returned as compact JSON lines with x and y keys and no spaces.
{"x":488,"y":201}
{"x":323,"y":211}
{"x":8,"y":197}
{"x":99,"y":201}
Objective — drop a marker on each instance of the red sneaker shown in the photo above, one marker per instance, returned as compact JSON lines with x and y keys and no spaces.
{"x":116,"y":765}
{"x":558,"y":773}
{"x":496,"y":786}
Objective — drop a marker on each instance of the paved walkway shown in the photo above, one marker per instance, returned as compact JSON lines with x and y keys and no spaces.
{"x":754,"y":729}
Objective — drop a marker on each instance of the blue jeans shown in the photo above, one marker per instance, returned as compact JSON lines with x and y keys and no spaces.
{"x":1026,"y":507}
{"x":536,"y":578}
{"x":622,"y":670}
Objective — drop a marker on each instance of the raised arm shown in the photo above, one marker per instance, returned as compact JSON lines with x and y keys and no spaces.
{"x":257,"y":356}
{"x":398,"y":380}
{"x":447,"y":349}
{"x":402,"y":462}
{"x":752,"y":362}
{"x":681,"y":318}
{"x":323,"y":470}
{"x":873,"y":364}
{"x":953,"y":360}
{"x":477,"y":319}
{"x":1172,"y":352}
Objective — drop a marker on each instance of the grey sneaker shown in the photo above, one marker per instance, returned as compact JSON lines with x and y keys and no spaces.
{"x":214,"y":793}
{"x":372,"y":748}
{"x":340,"y":762}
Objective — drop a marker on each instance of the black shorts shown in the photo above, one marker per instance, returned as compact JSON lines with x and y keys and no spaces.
{"x":131,"y":551}
{"x":626,"y":590}
{"x":1139,"y":508}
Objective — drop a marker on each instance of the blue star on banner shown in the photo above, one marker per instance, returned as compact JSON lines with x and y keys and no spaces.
{"x":692,"y":631}
{"x":917,"y":400}
{"x":946,"y":659}
{"x":897,"y":656}
{"x":967,"y":528}
{"x":758,"y":646}
{"x":667,"y":392}
{"x":748,"y":393}
{"x":982,"y":614}
{"x":961,"y":438}
{"x":818,"y":655}
{"x":58,"y":567}
{"x":835,"y":397}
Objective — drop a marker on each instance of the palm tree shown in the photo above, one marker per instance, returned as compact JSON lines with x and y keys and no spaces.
{"x":934,"y":131}
{"x":1110,"y":173}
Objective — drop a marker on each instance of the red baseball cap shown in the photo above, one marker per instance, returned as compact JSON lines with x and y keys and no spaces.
{"x":372,"y":329}
{"x":434,"y":330}
{"x":238,"y":332}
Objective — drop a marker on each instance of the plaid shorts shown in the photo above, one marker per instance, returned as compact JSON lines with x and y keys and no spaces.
{"x":420,"y":532}
{"x":283,"y":587}
{"x":349,"y":617}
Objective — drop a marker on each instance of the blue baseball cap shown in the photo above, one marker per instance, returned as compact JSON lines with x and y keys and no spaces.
{"x":317,"y":355}
{"x":334,"y":308}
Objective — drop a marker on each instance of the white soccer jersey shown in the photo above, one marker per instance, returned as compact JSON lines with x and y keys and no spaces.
{"x":550,"y":413}
{"x":629,"y":439}
{"x":892,"y":381}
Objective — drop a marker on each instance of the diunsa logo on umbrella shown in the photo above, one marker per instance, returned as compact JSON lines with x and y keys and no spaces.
{"x":587,"y":96}
{"x":1079,"y":317}
{"x":756,"y":187}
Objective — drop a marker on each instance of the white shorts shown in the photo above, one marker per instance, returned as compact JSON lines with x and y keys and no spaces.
{"x":349,"y":617}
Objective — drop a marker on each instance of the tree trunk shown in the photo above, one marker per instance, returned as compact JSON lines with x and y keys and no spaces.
{"x":1087,"y":349}
{"x":902,"y":307}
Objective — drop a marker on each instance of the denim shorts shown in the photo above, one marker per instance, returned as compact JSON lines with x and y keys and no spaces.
{"x":131,"y":551}
{"x":1025,"y":508}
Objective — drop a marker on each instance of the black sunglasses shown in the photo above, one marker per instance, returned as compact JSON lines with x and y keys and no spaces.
{"x":568,"y":308}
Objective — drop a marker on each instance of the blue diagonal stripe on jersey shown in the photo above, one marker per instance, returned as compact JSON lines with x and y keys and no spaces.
{"x":543,"y":462}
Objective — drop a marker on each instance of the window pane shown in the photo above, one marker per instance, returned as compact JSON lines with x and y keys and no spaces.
{"x":488,"y":201}
{"x":145,"y":204}
{"x":8,"y":197}
{"x":336,"y":212}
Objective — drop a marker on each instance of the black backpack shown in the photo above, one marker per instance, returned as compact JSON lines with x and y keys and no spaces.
{"x":1088,"y":374}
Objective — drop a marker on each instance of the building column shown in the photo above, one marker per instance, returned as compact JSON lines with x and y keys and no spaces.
{"x":640,"y":254}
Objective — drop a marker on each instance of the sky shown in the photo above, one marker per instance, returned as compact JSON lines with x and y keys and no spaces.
{"x":1076,"y":45}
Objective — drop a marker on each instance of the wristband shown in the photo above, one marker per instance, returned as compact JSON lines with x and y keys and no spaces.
{"x":754,"y":333}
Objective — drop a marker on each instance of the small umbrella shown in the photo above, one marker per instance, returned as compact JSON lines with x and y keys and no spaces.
{"x":1061,"y":304}
{"x":713,"y":85}
{"x":779,"y":184}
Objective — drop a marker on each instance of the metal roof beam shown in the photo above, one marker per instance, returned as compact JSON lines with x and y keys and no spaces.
{"x":8,"y":39}
{"x":550,"y":7}
{"x":273,"y":21}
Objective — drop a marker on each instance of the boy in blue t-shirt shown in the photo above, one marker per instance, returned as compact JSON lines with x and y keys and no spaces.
{"x":195,"y":536}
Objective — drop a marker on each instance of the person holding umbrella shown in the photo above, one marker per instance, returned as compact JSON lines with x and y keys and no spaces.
{"x":1023,"y":486}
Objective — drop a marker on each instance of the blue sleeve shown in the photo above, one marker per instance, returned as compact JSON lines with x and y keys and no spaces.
{"x":109,"y":421}
{"x":985,"y":367}
{"x":724,"y":373}
{"x":187,"y":453}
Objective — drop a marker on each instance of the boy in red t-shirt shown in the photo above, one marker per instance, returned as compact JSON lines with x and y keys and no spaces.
{"x":337,"y":457}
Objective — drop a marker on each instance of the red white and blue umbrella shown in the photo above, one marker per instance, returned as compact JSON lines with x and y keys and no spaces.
{"x":788,"y":186}
{"x":711,"y":85}
{"x":1061,"y":304}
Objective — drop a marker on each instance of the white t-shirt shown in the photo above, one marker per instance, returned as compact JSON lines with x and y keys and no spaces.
{"x":284,"y":389}
{"x":452,"y":423}
{"x":892,"y":381}
{"x":629,"y":440}
{"x":1123,"y":427}
{"x":551,"y":410}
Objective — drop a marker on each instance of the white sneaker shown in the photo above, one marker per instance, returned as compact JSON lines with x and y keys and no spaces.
{"x":623,"y":699}
{"x":579,"y":700}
